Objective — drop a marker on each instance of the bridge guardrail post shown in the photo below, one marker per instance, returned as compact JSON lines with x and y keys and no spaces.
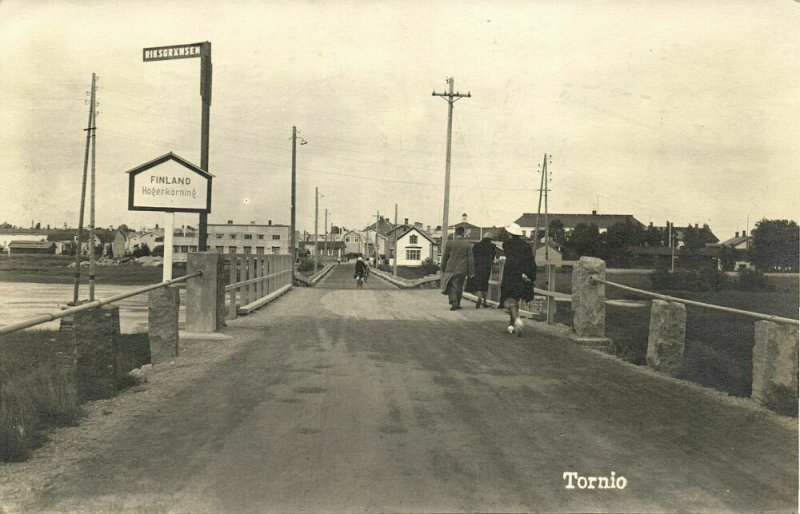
{"x":95,"y":335}
{"x":667,"y":336}
{"x":232,"y":293}
{"x":589,"y":303}
{"x":162,"y":323}
{"x":205,"y":295}
{"x":775,"y":366}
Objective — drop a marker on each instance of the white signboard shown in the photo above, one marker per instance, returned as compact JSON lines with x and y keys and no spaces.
{"x":169,"y":184}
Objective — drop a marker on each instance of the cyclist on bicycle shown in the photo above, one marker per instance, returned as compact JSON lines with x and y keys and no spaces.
{"x":362,"y":270}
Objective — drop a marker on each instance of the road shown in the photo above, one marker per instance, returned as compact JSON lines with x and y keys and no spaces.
{"x":384,"y":400}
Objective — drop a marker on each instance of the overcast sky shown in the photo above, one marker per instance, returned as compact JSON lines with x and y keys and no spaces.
{"x":686,"y":111}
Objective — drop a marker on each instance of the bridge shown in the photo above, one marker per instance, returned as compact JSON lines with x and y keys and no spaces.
{"x":332,"y":398}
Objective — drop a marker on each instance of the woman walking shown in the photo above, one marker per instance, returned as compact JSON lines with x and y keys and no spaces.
{"x":518,"y":276}
{"x":483,"y":253}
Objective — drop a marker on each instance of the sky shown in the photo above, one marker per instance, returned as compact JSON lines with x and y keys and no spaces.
{"x":684,"y":111}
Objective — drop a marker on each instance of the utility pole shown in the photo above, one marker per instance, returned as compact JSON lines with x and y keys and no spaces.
{"x":672,"y":247}
{"x":546,"y":220}
{"x":451,"y":99}
{"x":394,"y":268}
{"x":89,"y":129}
{"x":92,"y":200}
{"x":292,"y":242}
{"x":325,"y":250}
{"x":316,"y":229}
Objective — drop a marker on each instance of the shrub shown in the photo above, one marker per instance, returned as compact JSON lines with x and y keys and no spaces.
{"x":749,"y":280}
{"x":17,"y":422}
{"x":705,"y":279}
{"x":305,"y":264}
{"x":430,"y":267}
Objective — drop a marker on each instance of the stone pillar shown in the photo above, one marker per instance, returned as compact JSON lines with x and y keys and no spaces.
{"x":95,"y":334}
{"x":162,"y":320}
{"x":205,"y":296}
{"x":667,"y":336}
{"x":589,"y":302}
{"x":775,"y":366}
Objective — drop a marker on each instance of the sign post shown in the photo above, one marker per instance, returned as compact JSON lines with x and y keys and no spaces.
{"x":169,"y":184}
{"x":203,"y":51}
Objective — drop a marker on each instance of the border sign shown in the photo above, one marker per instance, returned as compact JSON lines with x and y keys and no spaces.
{"x":164,"y":53}
{"x":169,"y":184}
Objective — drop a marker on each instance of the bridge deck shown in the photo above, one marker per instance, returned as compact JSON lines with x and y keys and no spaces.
{"x":384,"y":400}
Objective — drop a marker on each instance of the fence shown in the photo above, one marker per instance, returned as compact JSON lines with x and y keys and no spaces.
{"x":94,"y":326}
{"x":775,"y":352}
{"x":255,"y":280}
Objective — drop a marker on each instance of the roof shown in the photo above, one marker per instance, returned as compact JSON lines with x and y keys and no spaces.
{"x":602,"y":221}
{"x":24,"y":231}
{"x":31,"y":244}
{"x":170,"y":157}
{"x":383,"y":224}
{"x":736,"y":241}
{"x":409,"y":229}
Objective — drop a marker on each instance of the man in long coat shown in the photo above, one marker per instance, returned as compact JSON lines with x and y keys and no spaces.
{"x":457,"y":265}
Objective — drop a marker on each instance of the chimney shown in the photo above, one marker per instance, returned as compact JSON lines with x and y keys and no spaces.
{"x":269,"y":222}
{"x":737,"y":234}
{"x":252,"y":222}
{"x":464,"y":217}
{"x":744,"y":233}
{"x":594,"y":213}
{"x":405,"y":222}
{"x":230,"y":222}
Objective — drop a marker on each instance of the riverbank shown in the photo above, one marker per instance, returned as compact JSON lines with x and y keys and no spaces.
{"x":56,"y":269}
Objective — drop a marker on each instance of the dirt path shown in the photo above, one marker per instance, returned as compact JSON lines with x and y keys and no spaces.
{"x":384,"y":400}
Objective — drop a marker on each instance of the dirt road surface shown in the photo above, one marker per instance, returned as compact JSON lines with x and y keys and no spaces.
{"x":374,"y":400}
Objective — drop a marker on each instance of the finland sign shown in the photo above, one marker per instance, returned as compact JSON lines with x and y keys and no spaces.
{"x":169,"y":184}
{"x":163,"y":53}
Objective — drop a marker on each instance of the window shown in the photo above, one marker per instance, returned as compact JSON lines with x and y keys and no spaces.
{"x":412,"y":254}
{"x":412,"y":239}
{"x":523,"y":233}
{"x":248,"y":236}
{"x":184,"y":249}
{"x":276,"y":250}
{"x":231,"y":249}
{"x":347,"y":239}
{"x":260,"y":250}
{"x":192,"y":248}
{"x":176,"y":249}
{"x":248,"y":249}
{"x":356,"y":239}
{"x":233,"y":236}
{"x":220,"y":236}
{"x":276,"y":237}
{"x":220,"y":249}
{"x":261,"y":236}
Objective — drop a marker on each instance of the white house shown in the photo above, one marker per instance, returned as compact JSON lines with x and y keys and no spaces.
{"x":414,"y":246}
{"x":353,"y":241}
{"x":151,"y":238}
{"x":20,"y":235}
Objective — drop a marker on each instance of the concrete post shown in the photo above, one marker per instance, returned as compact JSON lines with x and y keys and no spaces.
{"x":589,"y":302}
{"x":95,"y":334}
{"x":667,"y":336}
{"x":162,"y":317}
{"x":205,"y":296}
{"x":775,"y":366}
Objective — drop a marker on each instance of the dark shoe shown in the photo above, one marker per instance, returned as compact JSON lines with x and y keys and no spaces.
{"x":478,"y":305}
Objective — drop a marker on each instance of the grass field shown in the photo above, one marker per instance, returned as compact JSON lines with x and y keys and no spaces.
{"x":37,"y":394}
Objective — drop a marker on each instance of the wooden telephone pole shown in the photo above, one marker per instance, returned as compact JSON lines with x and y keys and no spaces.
{"x":451,"y":99}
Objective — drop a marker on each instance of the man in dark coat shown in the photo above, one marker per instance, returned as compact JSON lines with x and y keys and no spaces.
{"x":519,"y":273}
{"x":457,"y":265}
{"x":484,"y":253}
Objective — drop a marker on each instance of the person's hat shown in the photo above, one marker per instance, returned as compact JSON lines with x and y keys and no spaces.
{"x":514,"y":229}
{"x":488,"y":235}
{"x":359,"y":258}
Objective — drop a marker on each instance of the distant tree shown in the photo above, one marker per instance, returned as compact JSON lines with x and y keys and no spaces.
{"x":6,"y":225}
{"x":585,"y":240}
{"x":619,"y":237}
{"x":38,"y":226}
{"x":557,"y":232}
{"x":653,"y":236}
{"x":158,"y":251}
{"x":727,"y":258}
{"x":776,"y":245}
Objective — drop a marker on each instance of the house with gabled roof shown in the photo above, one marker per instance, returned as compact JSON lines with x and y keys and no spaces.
{"x":603,"y":221}
{"x":413,"y":247}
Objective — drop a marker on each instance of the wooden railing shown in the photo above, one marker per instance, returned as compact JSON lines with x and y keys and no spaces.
{"x":254,"y":280}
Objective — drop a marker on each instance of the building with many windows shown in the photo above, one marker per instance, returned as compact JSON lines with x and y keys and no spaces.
{"x":269,"y":239}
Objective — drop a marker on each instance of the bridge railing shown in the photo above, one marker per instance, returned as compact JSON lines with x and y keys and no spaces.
{"x":775,"y":350}
{"x":254,"y":280}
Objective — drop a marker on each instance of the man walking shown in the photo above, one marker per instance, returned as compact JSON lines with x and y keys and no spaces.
{"x":457,"y":265}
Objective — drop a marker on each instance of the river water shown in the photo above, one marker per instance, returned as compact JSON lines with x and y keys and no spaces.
{"x":23,"y":300}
